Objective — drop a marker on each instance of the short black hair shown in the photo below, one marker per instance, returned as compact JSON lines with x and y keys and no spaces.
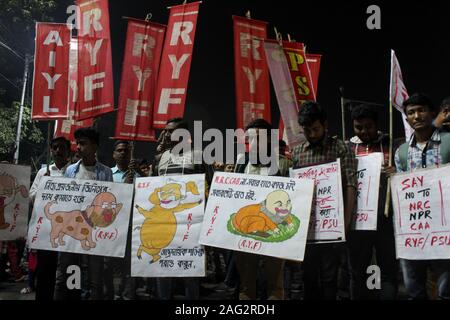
{"x":445,"y":103}
{"x":419,"y":99}
{"x":181,"y":123}
{"x":125,"y":142}
{"x":89,"y":133}
{"x":363,"y":111}
{"x":143,"y":162}
{"x":259,"y":124}
{"x":63,"y":139}
{"x":310,"y":112}
{"x":282,"y":143}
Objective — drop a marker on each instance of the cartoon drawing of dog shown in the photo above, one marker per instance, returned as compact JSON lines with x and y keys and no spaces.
{"x":264,"y":218}
{"x":160,"y":225}
{"x":79,"y":224}
{"x":9,"y":188}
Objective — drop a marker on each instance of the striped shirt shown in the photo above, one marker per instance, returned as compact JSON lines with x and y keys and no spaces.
{"x":329,"y":150}
{"x":171,"y":164}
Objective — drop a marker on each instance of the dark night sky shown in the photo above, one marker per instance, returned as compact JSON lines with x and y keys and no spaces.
{"x":353,"y":56}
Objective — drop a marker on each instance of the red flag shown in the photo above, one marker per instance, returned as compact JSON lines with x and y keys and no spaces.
{"x":139,"y":75}
{"x":67,"y":128}
{"x":51,"y":71}
{"x":251,"y":71}
{"x":95,"y":77}
{"x":300,"y":73}
{"x":176,"y":61}
{"x":313,"y":61}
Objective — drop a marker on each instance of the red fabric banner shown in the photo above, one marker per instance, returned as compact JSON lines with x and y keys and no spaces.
{"x":139,"y":76}
{"x":95,"y":78}
{"x":176,"y":61}
{"x":251,"y":71}
{"x":300,"y":73}
{"x":314,"y":67}
{"x":51,"y":72}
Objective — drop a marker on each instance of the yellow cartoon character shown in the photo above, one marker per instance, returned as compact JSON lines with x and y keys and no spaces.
{"x":264,"y":218}
{"x":160,"y":225}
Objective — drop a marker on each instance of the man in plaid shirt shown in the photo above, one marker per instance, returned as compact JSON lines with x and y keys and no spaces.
{"x":322,"y":260}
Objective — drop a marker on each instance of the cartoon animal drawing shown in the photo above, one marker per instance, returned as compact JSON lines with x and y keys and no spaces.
{"x":160,"y":224}
{"x":80,"y":224}
{"x":264,"y":218}
{"x":9,"y":188}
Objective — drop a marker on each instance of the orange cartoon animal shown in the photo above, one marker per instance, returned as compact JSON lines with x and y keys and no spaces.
{"x":264,"y":218}
{"x":8,"y":191}
{"x":80,"y":224}
{"x":160,"y":225}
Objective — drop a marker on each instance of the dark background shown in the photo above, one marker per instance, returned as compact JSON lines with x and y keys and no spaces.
{"x":354,"y":57}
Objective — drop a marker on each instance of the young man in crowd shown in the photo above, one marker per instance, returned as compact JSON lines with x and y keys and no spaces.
{"x":361,"y":244}
{"x":428,"y":147}
{"x":442,"y":120}
{"x":88,"y":168}
{"x":321,"y":262}
{"x":247,"y":263}
{"x":123,"y":172}
{"x":169,"y":163}
{"x":47,"y":260}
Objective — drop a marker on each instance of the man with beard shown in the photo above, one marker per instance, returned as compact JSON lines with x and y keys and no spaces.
{"x":428,"y":147}
{"x":320,"y":266}
{"x":47,"y":260}
{"x":88,"y":168}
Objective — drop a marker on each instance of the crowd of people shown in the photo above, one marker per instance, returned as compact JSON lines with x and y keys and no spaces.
{"x":326,"y":268}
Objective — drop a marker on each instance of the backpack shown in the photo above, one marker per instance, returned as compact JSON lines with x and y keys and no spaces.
{"x":444,"y":151}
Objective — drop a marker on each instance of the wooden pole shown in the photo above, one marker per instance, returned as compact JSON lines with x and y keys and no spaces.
{"x":391,"y":149}
{"x":248,"y":15}
{"x":49,"y":138}
{"x":341,"y":90}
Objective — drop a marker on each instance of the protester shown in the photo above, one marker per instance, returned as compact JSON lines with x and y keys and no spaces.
{"x":442,"y":120}
{"x":428,"y":147}
{"x":321,"y":261}
{"x":362,"y":245}
{"x":47,"y":260}
{"x":123,"y":172}
{"x":88,"y":168}
{"x":248,"y":263}
{"x":176,"y":164}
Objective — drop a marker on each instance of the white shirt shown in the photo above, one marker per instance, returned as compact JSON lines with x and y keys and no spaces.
{"x":54,"y":172}
{"x":86,"y":172}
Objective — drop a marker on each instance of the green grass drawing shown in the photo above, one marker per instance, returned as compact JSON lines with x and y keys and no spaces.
{"x":283,"y":235}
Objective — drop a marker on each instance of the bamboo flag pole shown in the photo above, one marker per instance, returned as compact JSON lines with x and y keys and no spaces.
{"x":341,"y":90}
{"x":391,"y":143}
{"x":49,"y":137}
{"x":278,"y":36}
{"x":248,"y":15}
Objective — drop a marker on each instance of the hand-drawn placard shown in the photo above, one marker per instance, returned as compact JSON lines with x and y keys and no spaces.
{"x":167,"y":219}
{"x":81,"y":216}
{"x":14,"y":203}
{"x":368,"y":174}
{"x":421,"y":204}
{"x":327,"y":220}
{"x":258,"y":214}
